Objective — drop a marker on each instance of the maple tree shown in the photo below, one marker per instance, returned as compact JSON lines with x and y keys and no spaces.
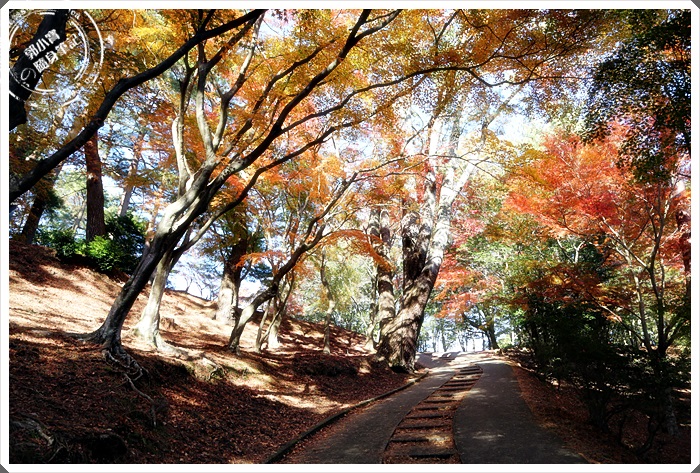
{"x":353,"y":163}
{"x":456,"y":140}
{"x":645,"y":84}
{"x":236,"y":229}
{"x":21,"y":184}
{"x":302,"y":235}
{"x":581,"y":190}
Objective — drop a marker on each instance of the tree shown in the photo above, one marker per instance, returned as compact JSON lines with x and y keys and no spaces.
{"x":317,"y":228}
{"x":234,"y":259}
{"x":645,"y":84}
{"x":45,"y":198}
{"x":95,"y":197}
{"x":474,"y":281}
{"x":381,"y":239}
{"x":582,"y":190}
{"x":276,"y":311}
{"x":426,"y":223}
{"x":331,"y":304}
{"x":247,"y":103}
{"x":20,"y":185}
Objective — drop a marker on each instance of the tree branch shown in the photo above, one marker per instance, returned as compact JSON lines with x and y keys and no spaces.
{"x":43,"y":167}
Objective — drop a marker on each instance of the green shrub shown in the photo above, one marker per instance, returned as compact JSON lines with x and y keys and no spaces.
{"x":120,"y":249}
{"x":127,"y":235}
{"x":63,"y":241}
{"x":104,"y":254}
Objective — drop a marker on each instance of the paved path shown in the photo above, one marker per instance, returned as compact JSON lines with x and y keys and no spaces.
{"x":365,"y":434}
{"x":493,"y":424}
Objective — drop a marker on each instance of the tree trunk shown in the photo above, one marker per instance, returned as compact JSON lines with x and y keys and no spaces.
{"x":398,"y":336}
{"x":462,"y":343}
{"x":227,"y":301}
{"x":272,"y":290}
{"x":271,"y":309}
{"x":148,"y":327}
{"x":273,"y":341}
{"x":171,"y":228}
{"x":380,"y":234}
{"x":488,"y":327}
{"x":371,"y":324}
{"x":373,"y":235}
{"x":109,"y":333}
{"x":327,"y":329}
{"x":234,"y":341}
{"x":491,"y":334}
{"x":271,"y":336}
{"x":31,"y":225}
{"x":329,"y":309}
{"x":129,"y":181}
{"x":95,"y":194}
{"x":425,"y":238}
{"x":398,"y":342}
{"x":79,"y":217}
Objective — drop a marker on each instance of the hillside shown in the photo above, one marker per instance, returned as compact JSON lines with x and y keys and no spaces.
{"x":210,"y":406}
{"x":207,"y":406}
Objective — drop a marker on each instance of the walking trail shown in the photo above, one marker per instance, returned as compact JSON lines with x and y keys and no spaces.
{"x":491,"y":422}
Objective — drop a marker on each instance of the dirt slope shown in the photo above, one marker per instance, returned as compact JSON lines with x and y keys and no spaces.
{"x":67,"y":405}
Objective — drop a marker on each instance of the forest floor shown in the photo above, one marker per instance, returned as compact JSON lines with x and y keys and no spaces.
{"x":559,"y":408}
{"x":209,"y":405}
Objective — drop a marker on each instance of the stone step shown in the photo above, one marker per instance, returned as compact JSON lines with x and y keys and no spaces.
{"x":441,"y":453}
{"x":409,"y":438}
{"x":425,"y":416}
{"x":428,"y":408}
{"x":439,"y":401}
{"x":425,"y":425}
{"x":469,"y":372}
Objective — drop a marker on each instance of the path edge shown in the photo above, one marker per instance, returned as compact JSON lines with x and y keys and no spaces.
{"x":279,"y":454}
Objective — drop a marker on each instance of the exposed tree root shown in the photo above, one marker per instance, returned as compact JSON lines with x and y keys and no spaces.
{"x":214,"y":367}
{"x":157,"y":342}
{"x":118,"y":358}
{"x":132,"y":371}
{"x":152,"y":410}
{"x":167,"y":349}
